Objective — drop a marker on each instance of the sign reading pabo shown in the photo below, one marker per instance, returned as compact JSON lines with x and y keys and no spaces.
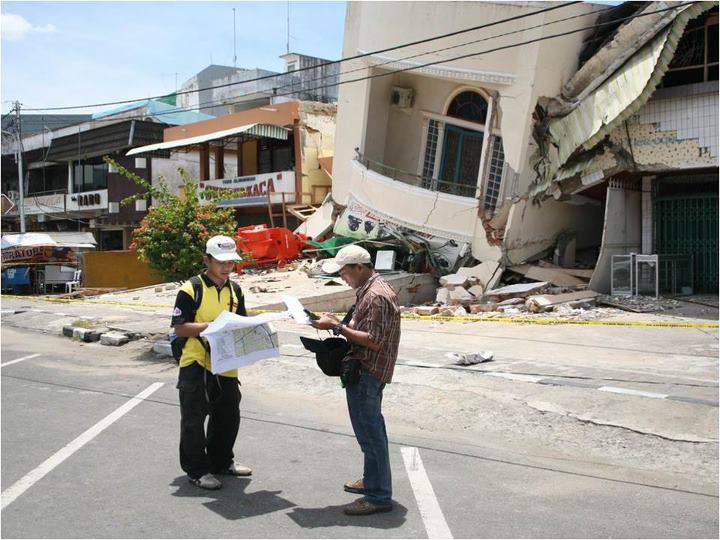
{"x":88,"y":200}
{"x":250,"y":190}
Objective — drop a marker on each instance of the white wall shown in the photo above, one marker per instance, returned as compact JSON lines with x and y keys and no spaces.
{"x":532,"y":229}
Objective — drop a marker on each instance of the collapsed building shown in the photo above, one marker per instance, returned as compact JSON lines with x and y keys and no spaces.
{"x":478,"y":148}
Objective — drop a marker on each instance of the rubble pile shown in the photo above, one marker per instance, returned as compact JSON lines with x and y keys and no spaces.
{"x":638,"y":304}
{"x":477,"y":291}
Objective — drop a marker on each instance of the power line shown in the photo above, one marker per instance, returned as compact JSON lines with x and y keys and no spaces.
{"x":332,"y":62}
{"x":213,"y":103}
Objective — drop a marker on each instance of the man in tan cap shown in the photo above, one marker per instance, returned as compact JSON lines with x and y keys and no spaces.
{"x":374,"y":333}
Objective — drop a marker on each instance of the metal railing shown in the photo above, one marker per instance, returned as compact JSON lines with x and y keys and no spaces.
{"x":424,"y":182}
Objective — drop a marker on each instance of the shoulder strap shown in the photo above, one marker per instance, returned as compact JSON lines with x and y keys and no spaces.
{"x":234,"y":288}
{"x":348,"y":315}
{"x":197,"y":286}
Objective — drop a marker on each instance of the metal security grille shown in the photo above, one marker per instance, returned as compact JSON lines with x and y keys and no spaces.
{"x":430,"y":149}
{"x":495,"y":173}
{"x":687,"y":224}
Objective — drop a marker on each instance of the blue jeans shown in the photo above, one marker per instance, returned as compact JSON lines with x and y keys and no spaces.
{"x":364,"y":401}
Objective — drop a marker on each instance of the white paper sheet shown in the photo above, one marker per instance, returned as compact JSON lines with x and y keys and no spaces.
{"x":295,"y":308}
{"x":237,"y":341}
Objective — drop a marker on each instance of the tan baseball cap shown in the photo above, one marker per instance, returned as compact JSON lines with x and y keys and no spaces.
{"x":222,"y":248}
{"x":347,"y":255}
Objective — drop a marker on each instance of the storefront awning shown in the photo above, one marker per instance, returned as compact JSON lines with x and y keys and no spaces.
{"x":59,"y":239}
{"x":269,"y":131}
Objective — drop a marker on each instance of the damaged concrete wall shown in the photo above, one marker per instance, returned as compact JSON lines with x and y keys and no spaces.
{"x":318,"y":141}
{"x":532,"y":229}
{"x":622,"y":230}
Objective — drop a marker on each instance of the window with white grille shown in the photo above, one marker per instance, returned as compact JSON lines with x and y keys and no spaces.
{"x":430,"y":149}
{"x":495,"y":173}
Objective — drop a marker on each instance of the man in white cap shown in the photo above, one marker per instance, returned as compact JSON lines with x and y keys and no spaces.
{"x":200,"y":300}
{"x":374,"y":334}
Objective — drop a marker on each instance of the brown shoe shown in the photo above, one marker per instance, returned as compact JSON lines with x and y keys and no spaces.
{"x":355,"y":487}
{"x":362,"y":507}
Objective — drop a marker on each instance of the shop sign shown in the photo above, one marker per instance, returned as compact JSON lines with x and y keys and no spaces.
{"x":38,"y":254}
{"x":250,"y":190}
{"x":45,"y":204}
{"x":88,"y":200}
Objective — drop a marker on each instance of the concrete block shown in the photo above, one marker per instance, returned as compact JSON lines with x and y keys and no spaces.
{"x":511,"y":302}
{"x":482,"y":308}
{"x":88,"y":335}
{"x":459,"y":296}
{"x":486,"y":274}
{"x":114,"y":339}
{"x":459,"y":311}
{"x":453,"y":280}
{"x":426,"y":310}
{"x":163,"y":348}
{"x":476,"y":290}
{"x":442,"y":296}
{"x":68,"y":331}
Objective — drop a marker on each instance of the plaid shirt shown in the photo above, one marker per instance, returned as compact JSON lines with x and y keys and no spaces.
{"x":377,"y":312}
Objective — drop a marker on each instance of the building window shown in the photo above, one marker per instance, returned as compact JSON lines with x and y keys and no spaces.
{"x":495,"y":173}
{"x":430,"y":149}
{"x":89,"y":175}
{"x":292,"y":66}
{"x":696,"y":56}
{"x":469,"y":106}
{"x":461,"y":160}
{"x":462,"y":146}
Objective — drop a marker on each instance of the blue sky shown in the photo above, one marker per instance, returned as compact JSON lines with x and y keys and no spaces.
{"x":68,"y":53}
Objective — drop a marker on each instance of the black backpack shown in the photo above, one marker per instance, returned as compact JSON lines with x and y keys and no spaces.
{"x":177,"y":344}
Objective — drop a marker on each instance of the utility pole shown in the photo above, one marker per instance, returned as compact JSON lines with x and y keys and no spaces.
{"x":287,"y":45}
{"x":234,"y":41}
{"x":21,"y":182}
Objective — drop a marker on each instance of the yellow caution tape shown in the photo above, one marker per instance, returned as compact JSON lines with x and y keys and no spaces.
{"x":406,"y":315}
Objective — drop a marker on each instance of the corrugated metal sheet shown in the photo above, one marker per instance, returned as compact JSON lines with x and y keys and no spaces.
{"x":619,"y":97}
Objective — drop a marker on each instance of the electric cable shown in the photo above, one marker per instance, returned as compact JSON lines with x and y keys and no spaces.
{"x":332,"y":62}
{"x":214,"y":103}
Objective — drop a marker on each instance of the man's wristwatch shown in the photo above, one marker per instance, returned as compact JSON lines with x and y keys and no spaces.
{"x":337,"y":329}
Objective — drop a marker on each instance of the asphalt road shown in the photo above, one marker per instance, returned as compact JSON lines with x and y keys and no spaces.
{"x":79,"y":462}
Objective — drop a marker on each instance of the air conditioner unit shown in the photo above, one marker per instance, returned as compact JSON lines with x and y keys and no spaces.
{"x":92,"y":223}
{"x":113,"y":207}
{"x":141,"y":163}
{"x":140,"y":205}
{"x":402,"y":98}
{"x":111,"y":168}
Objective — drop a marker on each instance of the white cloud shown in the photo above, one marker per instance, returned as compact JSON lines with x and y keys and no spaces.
{"x":16,"y":27}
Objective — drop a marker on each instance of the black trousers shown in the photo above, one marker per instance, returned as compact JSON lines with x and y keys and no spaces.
{"x":204,"y":395}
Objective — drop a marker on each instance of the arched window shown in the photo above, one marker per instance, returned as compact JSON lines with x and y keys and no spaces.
{"x":469,"y":106}
{"x":462,"y":146}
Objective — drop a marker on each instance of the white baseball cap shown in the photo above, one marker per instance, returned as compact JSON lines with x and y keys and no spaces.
{"x":347,"y":255}
{"x":222,"y":248}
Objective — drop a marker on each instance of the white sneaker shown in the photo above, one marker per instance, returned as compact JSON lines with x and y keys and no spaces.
{"x":206,"y":481}
{"x":235,"y":469}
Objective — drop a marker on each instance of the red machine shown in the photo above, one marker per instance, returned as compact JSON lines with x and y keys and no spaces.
{"x":263,"y":246}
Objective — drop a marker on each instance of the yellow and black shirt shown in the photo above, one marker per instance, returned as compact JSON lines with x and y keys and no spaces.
{"x":214,"y":301}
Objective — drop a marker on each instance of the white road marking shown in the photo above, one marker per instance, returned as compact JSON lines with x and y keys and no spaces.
{"x":11,"y":362}
{"x":430,"y":510}
{"x":37,"y":474}
{"x":628,"y":391}
{"x":516,"y":377}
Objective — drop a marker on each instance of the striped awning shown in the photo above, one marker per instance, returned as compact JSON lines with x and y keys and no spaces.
{"x":268,"y":131}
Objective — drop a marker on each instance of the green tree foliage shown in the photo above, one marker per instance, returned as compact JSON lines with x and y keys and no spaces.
{"x":171,"y":237}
